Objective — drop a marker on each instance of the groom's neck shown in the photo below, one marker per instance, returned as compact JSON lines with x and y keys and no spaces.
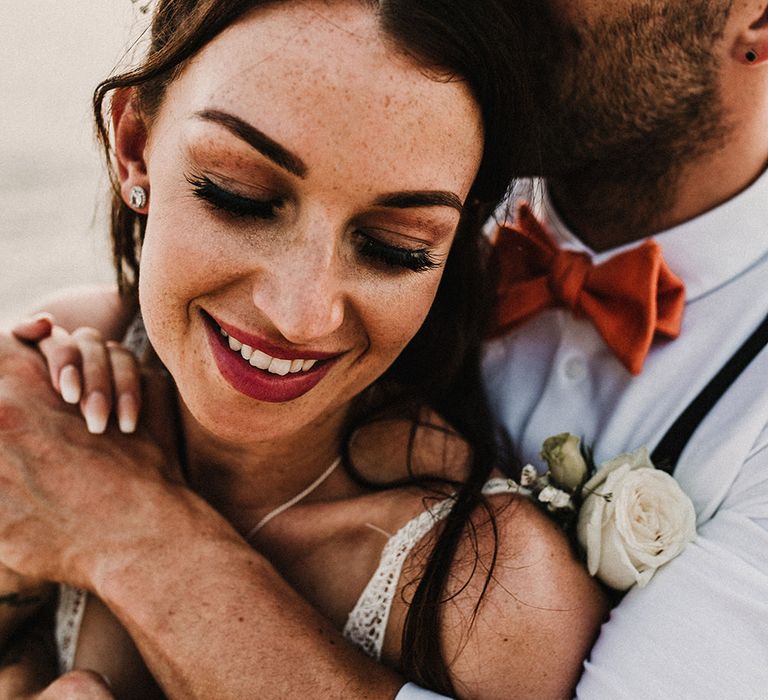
{"x":606,"y":212}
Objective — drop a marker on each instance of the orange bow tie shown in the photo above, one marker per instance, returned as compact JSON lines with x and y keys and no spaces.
{"x":629,"y":298}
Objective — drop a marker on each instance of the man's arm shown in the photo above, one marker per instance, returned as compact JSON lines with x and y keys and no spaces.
{"x":211,"y":616}
{"x":699,"y":628}
{"x":214,"y":619}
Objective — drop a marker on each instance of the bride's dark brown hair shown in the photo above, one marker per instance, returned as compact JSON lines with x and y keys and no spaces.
{"x":475,"y":41}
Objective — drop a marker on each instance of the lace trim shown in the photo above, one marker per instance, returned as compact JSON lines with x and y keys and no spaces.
{"x":367,"y":622}
{"x":69,"y":617}
{"x":135,"y":338}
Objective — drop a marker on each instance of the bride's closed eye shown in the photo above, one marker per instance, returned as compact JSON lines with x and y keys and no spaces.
{"x":416,"y":260}
{"x":369,"y":246}
{"x":232,"y":203}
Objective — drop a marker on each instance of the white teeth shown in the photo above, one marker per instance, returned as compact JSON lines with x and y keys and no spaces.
{"x":281,"y":367}
{"x":260,"y":359}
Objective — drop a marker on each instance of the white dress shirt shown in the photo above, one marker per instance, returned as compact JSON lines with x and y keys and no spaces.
{"x":700,"y":628}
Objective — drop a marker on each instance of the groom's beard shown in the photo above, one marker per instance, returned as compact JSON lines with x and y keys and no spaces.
{"x":623,"y":105}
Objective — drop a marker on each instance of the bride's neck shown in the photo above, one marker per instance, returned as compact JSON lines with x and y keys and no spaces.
{"x":244,"y":481}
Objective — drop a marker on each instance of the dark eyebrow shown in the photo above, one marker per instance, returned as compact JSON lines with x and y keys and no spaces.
{"x":408,"y":200}
{"x":282,"y":157}
{"x":260,"y":141}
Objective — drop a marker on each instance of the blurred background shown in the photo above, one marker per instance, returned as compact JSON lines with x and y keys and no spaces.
{"x":52,"y":182}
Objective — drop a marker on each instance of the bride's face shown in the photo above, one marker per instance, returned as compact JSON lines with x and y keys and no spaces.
{"x":305,"y":184}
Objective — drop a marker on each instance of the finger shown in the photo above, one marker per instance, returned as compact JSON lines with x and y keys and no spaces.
{"x":70,"y":384}
{"x":62,"y":355}
{"x":79,"y":685}
{"x":126,"y":380}
{"x":96,"y":402}
{"x":34,"y":328}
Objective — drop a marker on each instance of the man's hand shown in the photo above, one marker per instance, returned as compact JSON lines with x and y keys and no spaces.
{"x":75,"y":685}
{"x":211,"y":617}
{"x":65,"y":494}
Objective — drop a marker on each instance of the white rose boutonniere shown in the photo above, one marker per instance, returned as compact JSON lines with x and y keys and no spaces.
{"x":633,"y":519}
{"x":567,"y":465}
{"x":629,"y":517}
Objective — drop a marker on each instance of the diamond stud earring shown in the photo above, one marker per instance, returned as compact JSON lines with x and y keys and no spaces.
{"x":138,"y":197}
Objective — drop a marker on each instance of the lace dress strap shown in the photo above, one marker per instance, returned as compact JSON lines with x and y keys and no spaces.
{"x":498,"y":485}
{"x":69,"y":617}
{"x":135,"y":338}
{"x":367,"y":622}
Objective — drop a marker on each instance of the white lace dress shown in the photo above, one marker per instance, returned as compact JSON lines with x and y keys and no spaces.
{"x":367,"y":622}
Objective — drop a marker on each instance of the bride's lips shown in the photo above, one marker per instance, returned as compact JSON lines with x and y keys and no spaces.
{"x":258,"y":383}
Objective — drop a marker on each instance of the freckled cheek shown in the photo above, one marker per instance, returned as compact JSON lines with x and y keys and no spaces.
{"x":185,"y":253}
{"x":393,"y":319}
{"x":178,"y":265}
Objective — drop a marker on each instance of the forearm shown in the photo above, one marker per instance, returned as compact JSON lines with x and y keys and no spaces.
{"x":212,"y":618}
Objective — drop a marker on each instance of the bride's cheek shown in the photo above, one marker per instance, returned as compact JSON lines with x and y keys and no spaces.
{"x":396,"y":317}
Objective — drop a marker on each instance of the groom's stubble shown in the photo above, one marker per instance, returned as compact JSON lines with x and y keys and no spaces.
{"x":623,"y":102}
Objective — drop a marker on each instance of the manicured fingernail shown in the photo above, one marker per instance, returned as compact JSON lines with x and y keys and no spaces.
{"x":69,"y":382}
{"x":96,"y":412}
{"x":127,"y":413}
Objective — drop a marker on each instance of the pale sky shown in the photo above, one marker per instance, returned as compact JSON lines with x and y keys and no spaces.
{"x":53,"y":53}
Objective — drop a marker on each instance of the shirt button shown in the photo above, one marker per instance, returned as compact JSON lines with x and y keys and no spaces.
{"x":575,"y":368}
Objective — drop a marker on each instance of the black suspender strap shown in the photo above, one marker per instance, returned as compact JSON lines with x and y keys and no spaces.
{"x":671,"y":446}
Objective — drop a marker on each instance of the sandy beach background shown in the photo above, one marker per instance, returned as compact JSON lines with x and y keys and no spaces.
{"x":52,"y":183}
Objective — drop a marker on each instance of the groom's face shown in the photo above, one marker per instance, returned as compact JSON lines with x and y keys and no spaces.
{"x":627,"y":82}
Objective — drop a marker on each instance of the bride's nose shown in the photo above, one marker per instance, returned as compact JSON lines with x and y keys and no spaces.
{"x":302,"y":292}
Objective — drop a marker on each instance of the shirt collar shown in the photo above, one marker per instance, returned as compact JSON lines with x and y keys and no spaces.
{"x":705,"y":252}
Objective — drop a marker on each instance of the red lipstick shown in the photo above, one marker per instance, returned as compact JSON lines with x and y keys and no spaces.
{"x":270,"y":348}
{"x":256,"y":383}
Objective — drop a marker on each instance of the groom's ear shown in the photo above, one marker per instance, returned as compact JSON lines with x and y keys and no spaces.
{"x":751,"y":44}
{"x":130,"y":141}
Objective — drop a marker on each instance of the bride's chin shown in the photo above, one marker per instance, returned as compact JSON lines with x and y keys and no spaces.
{"x":216,"y":410}
{"x":253,"y":424}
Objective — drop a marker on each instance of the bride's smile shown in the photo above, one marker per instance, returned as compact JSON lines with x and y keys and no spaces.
{"x":283,"y":375}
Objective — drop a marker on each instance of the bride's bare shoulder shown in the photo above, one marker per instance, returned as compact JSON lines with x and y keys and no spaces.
{"x":97,"y":306}
{"x":539,"y":610}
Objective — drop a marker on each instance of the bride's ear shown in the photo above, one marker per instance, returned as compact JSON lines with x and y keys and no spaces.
{"x":130,"y":141}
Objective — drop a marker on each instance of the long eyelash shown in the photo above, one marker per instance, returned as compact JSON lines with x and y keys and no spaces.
{"x":231,"y":203}
{"x":393,"y":256}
